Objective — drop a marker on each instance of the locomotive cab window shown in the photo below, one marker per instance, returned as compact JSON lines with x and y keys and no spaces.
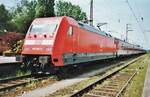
{"x":43,"y":28}
{"x":70,"y":31}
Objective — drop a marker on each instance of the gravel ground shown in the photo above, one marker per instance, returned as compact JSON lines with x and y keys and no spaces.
{"x":62,"y":84}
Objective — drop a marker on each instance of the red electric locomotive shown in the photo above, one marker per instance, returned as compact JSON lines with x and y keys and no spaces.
{"x":61,"y":41}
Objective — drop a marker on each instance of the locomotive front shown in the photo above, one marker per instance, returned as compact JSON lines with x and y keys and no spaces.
{"x":38,"y":45}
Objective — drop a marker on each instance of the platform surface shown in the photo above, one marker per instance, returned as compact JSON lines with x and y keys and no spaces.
{"x":7,"y":59}
{"x":146,"y":90}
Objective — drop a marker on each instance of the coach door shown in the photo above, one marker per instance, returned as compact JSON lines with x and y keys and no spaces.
{"x":72,"y":44}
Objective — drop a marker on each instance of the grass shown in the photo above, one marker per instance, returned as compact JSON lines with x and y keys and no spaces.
{"x":135,"y":88}
{"x":21,"y":73}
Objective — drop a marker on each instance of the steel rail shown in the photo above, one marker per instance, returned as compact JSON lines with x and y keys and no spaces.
{"x":92,"y":85}
{"x":124,"y":87}
{"x":10,"y":83}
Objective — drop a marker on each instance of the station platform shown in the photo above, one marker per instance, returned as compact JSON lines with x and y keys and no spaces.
{"x":9,"y":66}
{"x":4,"y":60}
{"x":146,"y":89}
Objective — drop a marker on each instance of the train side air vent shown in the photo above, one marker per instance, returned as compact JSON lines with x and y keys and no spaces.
{"x":55,"y":60}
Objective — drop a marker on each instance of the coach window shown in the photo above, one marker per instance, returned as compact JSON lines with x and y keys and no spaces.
{"x":70,"y":31}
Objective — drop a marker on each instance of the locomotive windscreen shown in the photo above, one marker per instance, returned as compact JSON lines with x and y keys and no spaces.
{"x":43,"y":28}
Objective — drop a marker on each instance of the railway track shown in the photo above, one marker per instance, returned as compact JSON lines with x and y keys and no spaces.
{"x":110,"y":85}
{"x":11,"y":83}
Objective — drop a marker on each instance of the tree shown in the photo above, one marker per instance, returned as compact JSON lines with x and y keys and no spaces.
{"x":23,"y":15}
{"x":45,"y":8}
{"x":68,"y":9}
{"x":27,"y":10}
{"x":4,"y":18}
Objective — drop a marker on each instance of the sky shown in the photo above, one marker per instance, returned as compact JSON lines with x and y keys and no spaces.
{"x":117,"y":14}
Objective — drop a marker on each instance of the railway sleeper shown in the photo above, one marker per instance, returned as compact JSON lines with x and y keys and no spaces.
{"x":106,"y":89}
{"x":92,"y":95}
{"x":103,"y":93}
{"x":121,"y":77}
{"x":116,"y":84}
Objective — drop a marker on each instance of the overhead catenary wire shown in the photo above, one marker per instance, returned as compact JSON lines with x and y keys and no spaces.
{"x":138,"y":12}
{"x":131,"y":9}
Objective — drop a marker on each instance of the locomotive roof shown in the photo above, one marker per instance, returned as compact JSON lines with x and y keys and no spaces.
{"x":46,"y":19}
{"x":55,"y":19}
{"x":128,"y":43}
{"x":93,"y":29}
